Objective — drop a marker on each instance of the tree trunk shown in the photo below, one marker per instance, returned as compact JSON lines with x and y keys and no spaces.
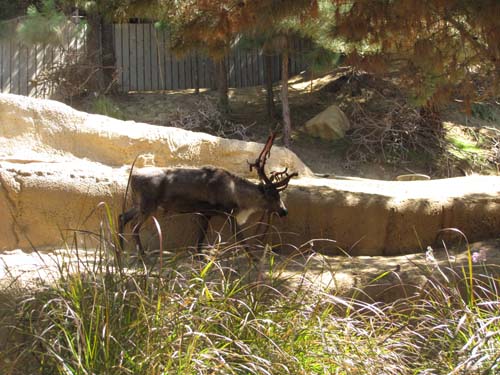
{"x":222,"y":85}
{"x":94,"y":54}
{"x":108,"y":55}
{"x":312,"y":78}
{"x":287,"y":123}
{"x":212,"y":73}
{"x":196,"y":73}
{"x":268,"y":75}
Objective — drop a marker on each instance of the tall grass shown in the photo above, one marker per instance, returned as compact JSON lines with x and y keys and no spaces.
{"x":224,"y":315}
{"x":104,"y":105}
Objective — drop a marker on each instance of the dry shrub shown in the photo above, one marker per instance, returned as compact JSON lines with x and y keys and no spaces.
{"x":395,"y":130}
{"x":71,"y":75}
{"x":207,"y":118}
{"x":385,"y":125}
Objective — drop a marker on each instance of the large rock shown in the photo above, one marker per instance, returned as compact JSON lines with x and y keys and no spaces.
{"x":371,"y":217}
{"x":35,"y":130}
{"x":329,"y":125}
{"x":58,"y":165}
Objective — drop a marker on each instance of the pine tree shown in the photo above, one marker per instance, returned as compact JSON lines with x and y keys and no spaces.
{"x":435,"y":46}
{"x":100,"y":51}
{"x":278,"y":22}
{"x":213,"y":26}
{"x":44,"y":24}
{"x":10,"y":9}
{"x":206,"y":26}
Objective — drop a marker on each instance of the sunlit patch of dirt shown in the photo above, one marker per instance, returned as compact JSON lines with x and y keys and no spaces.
{"x":309,"y":97}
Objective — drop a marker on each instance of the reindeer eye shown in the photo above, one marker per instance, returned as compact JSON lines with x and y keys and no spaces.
{"x":271,"y":192}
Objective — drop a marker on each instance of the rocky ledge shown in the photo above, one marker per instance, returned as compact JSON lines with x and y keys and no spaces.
{"x":58,"y":165}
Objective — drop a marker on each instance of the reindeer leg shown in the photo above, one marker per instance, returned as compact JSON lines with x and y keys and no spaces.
{"x":203,"y":231}
{"x":236,"y":231}
{"x":123,"y":220}
{"x":137,"y":237}
{"x":142,"y":217}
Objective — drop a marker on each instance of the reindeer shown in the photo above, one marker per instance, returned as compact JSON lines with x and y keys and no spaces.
{"x":208,"y":191}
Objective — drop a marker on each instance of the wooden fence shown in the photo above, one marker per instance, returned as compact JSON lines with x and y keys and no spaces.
{"x":144,"y":62}
{"x":22,"y":66}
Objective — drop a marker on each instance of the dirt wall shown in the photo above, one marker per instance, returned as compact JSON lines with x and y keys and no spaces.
{"x":58,"y":166}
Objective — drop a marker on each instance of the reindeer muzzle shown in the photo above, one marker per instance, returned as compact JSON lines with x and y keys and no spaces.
{"x":283,"y":212}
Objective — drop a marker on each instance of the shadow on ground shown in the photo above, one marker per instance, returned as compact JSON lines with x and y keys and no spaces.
{"x":368,"y":278}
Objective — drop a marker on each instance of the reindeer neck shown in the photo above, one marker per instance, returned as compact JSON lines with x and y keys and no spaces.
{"x":246,"y":193}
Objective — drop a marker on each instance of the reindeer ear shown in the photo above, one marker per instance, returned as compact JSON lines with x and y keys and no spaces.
{"x":261,"y":187}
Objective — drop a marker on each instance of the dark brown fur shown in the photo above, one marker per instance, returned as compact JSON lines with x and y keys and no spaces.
{"x":209,"y":191}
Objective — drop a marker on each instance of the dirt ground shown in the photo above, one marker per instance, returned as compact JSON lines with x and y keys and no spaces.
{"x":340,"y":275}
{"x":470,"y":146}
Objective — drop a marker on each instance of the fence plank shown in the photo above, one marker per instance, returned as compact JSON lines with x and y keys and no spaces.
{"x":144,"y":61}
{"x":7,"y":62}
{"x":205,"y":77}
{"x":49,"y":62}
{"x":240,"y":63}
{"x":168,"y":64}
{"x":5,"y":65}
{"x":148,"y":55}
{"x":32,"y":56}
{"x":117,"y":45}
{"x":161,"y":58}
{"x":187,"y":72}
{"x":127,"y":70}
{"x":253,"y":63}
{"x":261,"y":67}
{"x":185,"y":68}
{"x":23,"y":69}
{"x":125,"y":58}
{"x":252,"y":73}
{"x":154,"y":59}
{"x":14,"y":68}
{"x":181,"y":73}
{"x":39,"y":52}
{"x":40,"y":60}
{"x":140,"y":57}
{"x":190,"y":76}
{"x":176,"y":77}
{"x":133,"y":57}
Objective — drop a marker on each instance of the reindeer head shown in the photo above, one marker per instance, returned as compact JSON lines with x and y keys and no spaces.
{"x":271,"y":185}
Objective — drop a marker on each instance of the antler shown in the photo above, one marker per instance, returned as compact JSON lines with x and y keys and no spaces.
{"x":279,"y":180}
{"x":260,"y":162}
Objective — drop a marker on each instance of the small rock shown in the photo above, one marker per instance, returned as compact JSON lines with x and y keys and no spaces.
{"x":329,"y":125}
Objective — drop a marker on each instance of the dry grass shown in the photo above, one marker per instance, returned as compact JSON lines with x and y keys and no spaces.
{"x":223,"y":315}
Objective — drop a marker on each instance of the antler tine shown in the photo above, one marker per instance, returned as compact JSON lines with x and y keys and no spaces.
{"x":278,"y":180}
{"x":260,"y":162}
{"x":275,"y":176}
{"x":282,"y":183}
{"x":266,"y":151}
